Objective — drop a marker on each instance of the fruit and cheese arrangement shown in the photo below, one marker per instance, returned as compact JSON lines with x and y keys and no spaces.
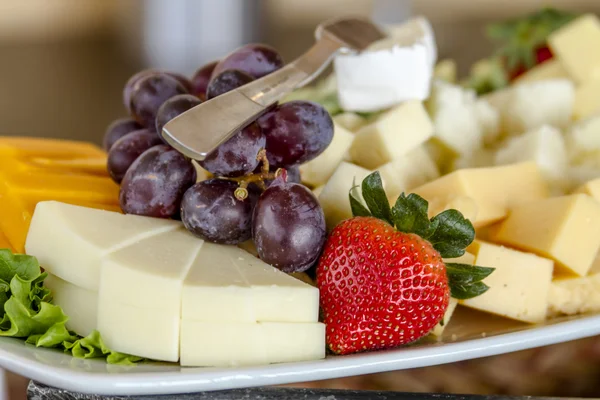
{"x":356,"y":215}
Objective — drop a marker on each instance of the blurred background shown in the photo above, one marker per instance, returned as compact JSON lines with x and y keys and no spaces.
{"x":63,"y":64}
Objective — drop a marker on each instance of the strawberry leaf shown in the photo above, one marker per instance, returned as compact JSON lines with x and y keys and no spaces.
{"x":468,"y":291}
{"x":410,"y":215}
{"x":453,"y":234}
{"x":374,"y":195}
{"x":358,"y":209}
{"x":467,"y":274}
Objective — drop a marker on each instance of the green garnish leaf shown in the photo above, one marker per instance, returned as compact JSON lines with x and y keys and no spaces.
{"x":410,"y":215}
{"x":374,"y":195}
{"x":464,"y":292}
{"x":453,"y":233}
{"x":466,"y":274}
{"x":358,"y":208}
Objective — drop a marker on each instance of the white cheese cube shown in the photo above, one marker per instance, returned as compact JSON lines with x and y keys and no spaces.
{"x":376,"y":79}
{"x":334,"y":196}
{"x":455,"y":118}
{"x":531,"y":105}
{"x":587,"y":101}
{"x":569,"y":296}
{"x":489,"y":121}
{"x":583,"y":139}
{"x":70,"y":241}
{"x":317,"y":191}
{"x":545,"y":146}
{"x":519,"y":286}
{"x":550,"y":69}
{"x":229,"y":344}
{"x":80,"y":305}
{"x":576,"y":46}
{"x":392,"y":135}
{"x":350,"y":121}
{"x":481,"y":158}
{"x":226,"y":284}
{"x":319,"y":170}
{"x":566,"y":229}
{"x":415,"y":29}
{"x":407,"y":172}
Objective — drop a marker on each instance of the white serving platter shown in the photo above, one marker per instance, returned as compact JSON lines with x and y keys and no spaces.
{"x":469,"y":335}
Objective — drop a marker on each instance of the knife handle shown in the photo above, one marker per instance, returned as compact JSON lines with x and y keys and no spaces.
{"x":200,"y":130}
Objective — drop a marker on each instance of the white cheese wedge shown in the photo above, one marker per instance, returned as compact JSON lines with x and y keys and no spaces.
{"x":70,"y":241}
{"x":390,"y":71}
{"x":228,"y":284}
{"x":334,"y":196}
{"x":566,"y":229}
{"x":519,"y":285}
{"x":545,"y":146}
{"x":317,"y":171}
{"x":394,"y":134}
{"x":550,"y":69}
{"x":140,"y":296}
{"x":533,"y":104}
{"x":576,"y":46}
{"x":407,"y":172}
{"x":455,"y":118}
{"x":494,"y":189}
{"x":80,"y":305}
{"x":227,"y":344}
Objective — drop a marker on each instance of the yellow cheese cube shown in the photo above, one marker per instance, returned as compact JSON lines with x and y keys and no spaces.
{"x":551,"y":69}
{"x":591,"y":188}
{"x":576,"y":46}
{"x":350,"y":121}
{"x":578,"y":295}
{"x":587,"y":101}
{"x":518,"y":288}
{"x":566,"y":229}
{"x":494,"y":189}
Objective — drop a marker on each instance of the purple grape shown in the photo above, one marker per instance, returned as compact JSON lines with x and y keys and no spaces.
{"x":288,"y":226}
{"x":127,"y":149}
{"x":172,"y":108}
{"x":117,"y":129}
{"x":128,"y":89}
{"x":155,"y":183}
{"x":185,"y":82}
{"x":237,"y":156}
{"x":210,"y":210}
{"x":226,"y":81}
{"x":256,"y":60}
{"x":201,"y":78}
{"x":296,"y":132}
{"x":149,"y":93}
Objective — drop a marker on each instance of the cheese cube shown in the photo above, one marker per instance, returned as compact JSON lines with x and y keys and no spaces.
{"x":394,"y":134}
{"x":481,"y":158}
{"x":489,"y":121}
{"x":587,"y":101}
{"x":350,"y":121}
{"x":578,"y":295}
{"x":407,"y":172}
{"x":228,"y":344}
{"x":446,"y":70}
{"x":580,"y":174}
{"x":417,"y":29}
{"x":454,"y":117}
{"x":576,"y":46}
{"x":591,"y":188}
{"x":493,"y":189}
{"x":70,"y":241}
{"x":334,"y":196}
{"x":550,"y":69}
{"x":545,"y":146}
{"x":80,"y":305}
{"x":319,"y":170}
{"x":317,"y":191}
{"x":583,"y":139}
{"x":227,"y":284}
{"x":533,"y":104}
{"x":566,"y":229}
{"x":519,"y":285}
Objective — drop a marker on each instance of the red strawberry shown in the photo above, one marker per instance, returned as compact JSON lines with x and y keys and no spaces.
{"x":382,"y":286}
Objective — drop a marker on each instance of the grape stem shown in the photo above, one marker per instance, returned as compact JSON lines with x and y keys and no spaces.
{"x":241,"y":193}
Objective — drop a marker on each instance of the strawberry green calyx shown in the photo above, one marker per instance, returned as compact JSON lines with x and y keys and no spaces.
{"x":449,"y":232}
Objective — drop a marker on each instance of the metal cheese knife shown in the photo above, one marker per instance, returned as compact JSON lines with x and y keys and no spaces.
{"x":200,"y":130}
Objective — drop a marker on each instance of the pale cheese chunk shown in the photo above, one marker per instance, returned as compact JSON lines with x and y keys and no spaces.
{"x":407,"y":172}
{"x":227,"y":284}
{"x":71,"y":241}
{"x":576,"y":46}
{"x":494,"y":189}
{"x":566,"y":229}
{"x":569,"y":296}
{"x":519,"y":285}
{"x":80,"y":305}
{"x":583,"y":140}
{"x":318,"y":170}
{"x":334,"y":196}
{"x":394,"y":134}
{"x":591,"y":188}
{"x":228,"y":344}
{"x":587,"y":101}
{"x":551,"y":69}
{"x":350,"y":121}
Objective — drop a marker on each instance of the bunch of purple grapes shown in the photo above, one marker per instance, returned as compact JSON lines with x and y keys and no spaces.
{"x":254,"y":192}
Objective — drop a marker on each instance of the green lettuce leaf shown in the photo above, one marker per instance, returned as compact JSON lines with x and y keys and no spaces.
{"x":27,"y":312}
